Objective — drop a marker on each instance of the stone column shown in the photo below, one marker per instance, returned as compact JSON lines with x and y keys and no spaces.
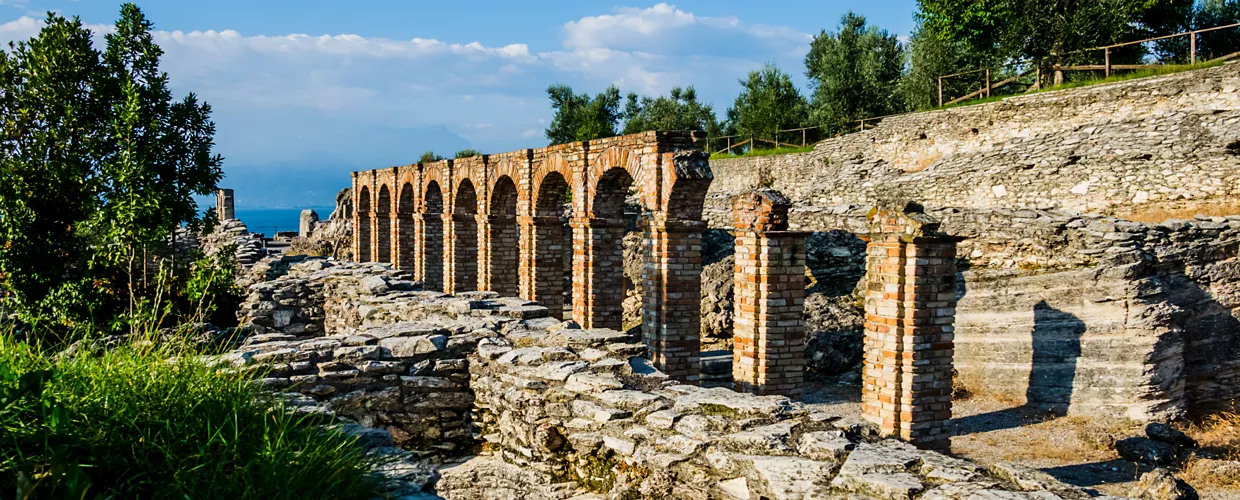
{"x":305,"y":225}
{"x":909,"y":310}
{"x":672,"y":295}
{"x":428,"y":250}
{"x":598,"y":272}
{"x":541,"y":272}
{"x":768,"y":355}
{"x":224,"y":208}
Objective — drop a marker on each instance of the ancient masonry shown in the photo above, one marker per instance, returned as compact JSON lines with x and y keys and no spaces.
{"x":910,"y":299}
{"x":1100,"y":274}
{"x":769,"y":334}
{"x":493,"y":222}
{"x":909,"y":349}
{"x":561,"y":411}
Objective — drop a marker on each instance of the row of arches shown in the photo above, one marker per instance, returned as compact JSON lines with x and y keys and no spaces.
{"x":524,"y":223}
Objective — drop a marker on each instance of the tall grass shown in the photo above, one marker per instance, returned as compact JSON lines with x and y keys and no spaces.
{"x":139,"y":421}
{"x":762,"y":152}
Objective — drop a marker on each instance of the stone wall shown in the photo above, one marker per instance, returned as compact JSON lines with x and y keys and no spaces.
{"x":1164,"y":142}
{"x":1081,"y":313}
{"x":559,"y":411}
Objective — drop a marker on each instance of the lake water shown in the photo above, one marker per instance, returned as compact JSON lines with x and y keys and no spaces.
{"x":270,"y":220}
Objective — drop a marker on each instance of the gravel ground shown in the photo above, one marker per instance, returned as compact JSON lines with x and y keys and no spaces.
{"x":1074,"y":450}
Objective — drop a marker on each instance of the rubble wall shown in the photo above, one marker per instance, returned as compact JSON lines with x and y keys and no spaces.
{"x":557,"y":411}
{"x":1160,"y":142}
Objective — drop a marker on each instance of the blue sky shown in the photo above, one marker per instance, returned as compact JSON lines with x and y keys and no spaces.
{"x":305,"y":91}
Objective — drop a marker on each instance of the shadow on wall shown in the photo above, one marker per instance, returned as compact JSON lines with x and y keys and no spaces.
{"x":1056,"y":350}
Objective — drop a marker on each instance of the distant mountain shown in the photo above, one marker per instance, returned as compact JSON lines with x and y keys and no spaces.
{"x":313,"y":178}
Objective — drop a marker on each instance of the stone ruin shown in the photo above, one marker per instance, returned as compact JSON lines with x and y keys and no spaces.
{"x":551,"y":397}
{"x":475,"y":395}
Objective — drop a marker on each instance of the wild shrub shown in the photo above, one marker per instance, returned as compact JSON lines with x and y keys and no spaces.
{"x":142,"y":421}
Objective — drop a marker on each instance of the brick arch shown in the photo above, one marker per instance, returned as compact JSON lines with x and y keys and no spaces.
{"x":432,"y":174}
{"x":552,"y":164}
{"x":609,"y":193}
{"x":617,"y":157}
{"x":405,"y":227}
{"x":363,"y":224}
{"x":464,"y":240}
{"x":430,"y":261}
{"x":383,"y":225}
{"x":549,"y":199}
{"x":501,"y":246}
{"x":503,"y":199}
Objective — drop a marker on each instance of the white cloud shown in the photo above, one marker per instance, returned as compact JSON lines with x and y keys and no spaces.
{"x":276,"y":95}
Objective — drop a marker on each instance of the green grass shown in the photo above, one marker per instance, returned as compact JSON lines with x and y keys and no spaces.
{"x":1166,"y":69}
{"x":762,"y":152}
{"x":150,"y":422}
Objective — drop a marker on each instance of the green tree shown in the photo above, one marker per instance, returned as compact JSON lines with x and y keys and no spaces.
{"x":430,"y":157}
{"x":1211,"y":13}
{"x":51,"y":133}
{"x":581,"y":118}
{"x":853,"y":74}
{"x":930,"y":56}
{"x":466,"y":153}
{"x":768,"y":103}
{"x":680,"y":110}
{"x":100,"y":168}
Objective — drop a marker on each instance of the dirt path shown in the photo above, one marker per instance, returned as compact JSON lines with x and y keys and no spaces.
{"x":1075,"y":450}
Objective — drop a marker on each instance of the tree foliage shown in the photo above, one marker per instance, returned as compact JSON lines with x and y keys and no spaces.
{"x":100,"y":167}
{"x":679,"y":110}
{"x":853,"y":74}
{"x":768,"y":102}
{"x":578,"y":117}
{"x":430,"y":157}
{"x":466,"y":153}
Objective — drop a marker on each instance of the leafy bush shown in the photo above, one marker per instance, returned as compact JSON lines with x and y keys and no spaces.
{"x":131,"y":423}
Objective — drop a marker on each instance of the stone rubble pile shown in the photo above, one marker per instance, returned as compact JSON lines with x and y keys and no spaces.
{"x":234,"y":232}
{"x":555,"y":411}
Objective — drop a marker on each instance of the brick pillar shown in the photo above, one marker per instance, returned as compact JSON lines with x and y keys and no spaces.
{"x":460,"y":273}
{"x":768,"y":354}
{"x":361,"y":236}
{"x":500,"y":255}
{"x":428,"y":250}
{"x":406,"y":230}
{"x":541,"y":273}
{"x":672,"y":295}
{"x":383,"y":236}
{"x":909,"y":309}
{"x":598,"y":272}
{"x":224,"y":207}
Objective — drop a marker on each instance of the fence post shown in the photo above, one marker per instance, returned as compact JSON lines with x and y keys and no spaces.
{"x":729,"y":144}
{"x":1106,"y":54}
{"x":940,"y":91}
{"x":987,"y":82}
{"x":1192,"y":48}
{"x":803,"y":137}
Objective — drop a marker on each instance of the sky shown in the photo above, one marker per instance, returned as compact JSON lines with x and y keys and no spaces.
{"x":305,"y":91}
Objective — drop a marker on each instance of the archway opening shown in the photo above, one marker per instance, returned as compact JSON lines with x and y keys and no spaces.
{"x":363,"y":225}
{"x":599,"y":272}
{"x":553,"y":246}
{"x":383,"y":225}
{"x":431,"y":244}
{"x":465,"y":238}
{"x":405,"y":228}
{"x":503,"y":242}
